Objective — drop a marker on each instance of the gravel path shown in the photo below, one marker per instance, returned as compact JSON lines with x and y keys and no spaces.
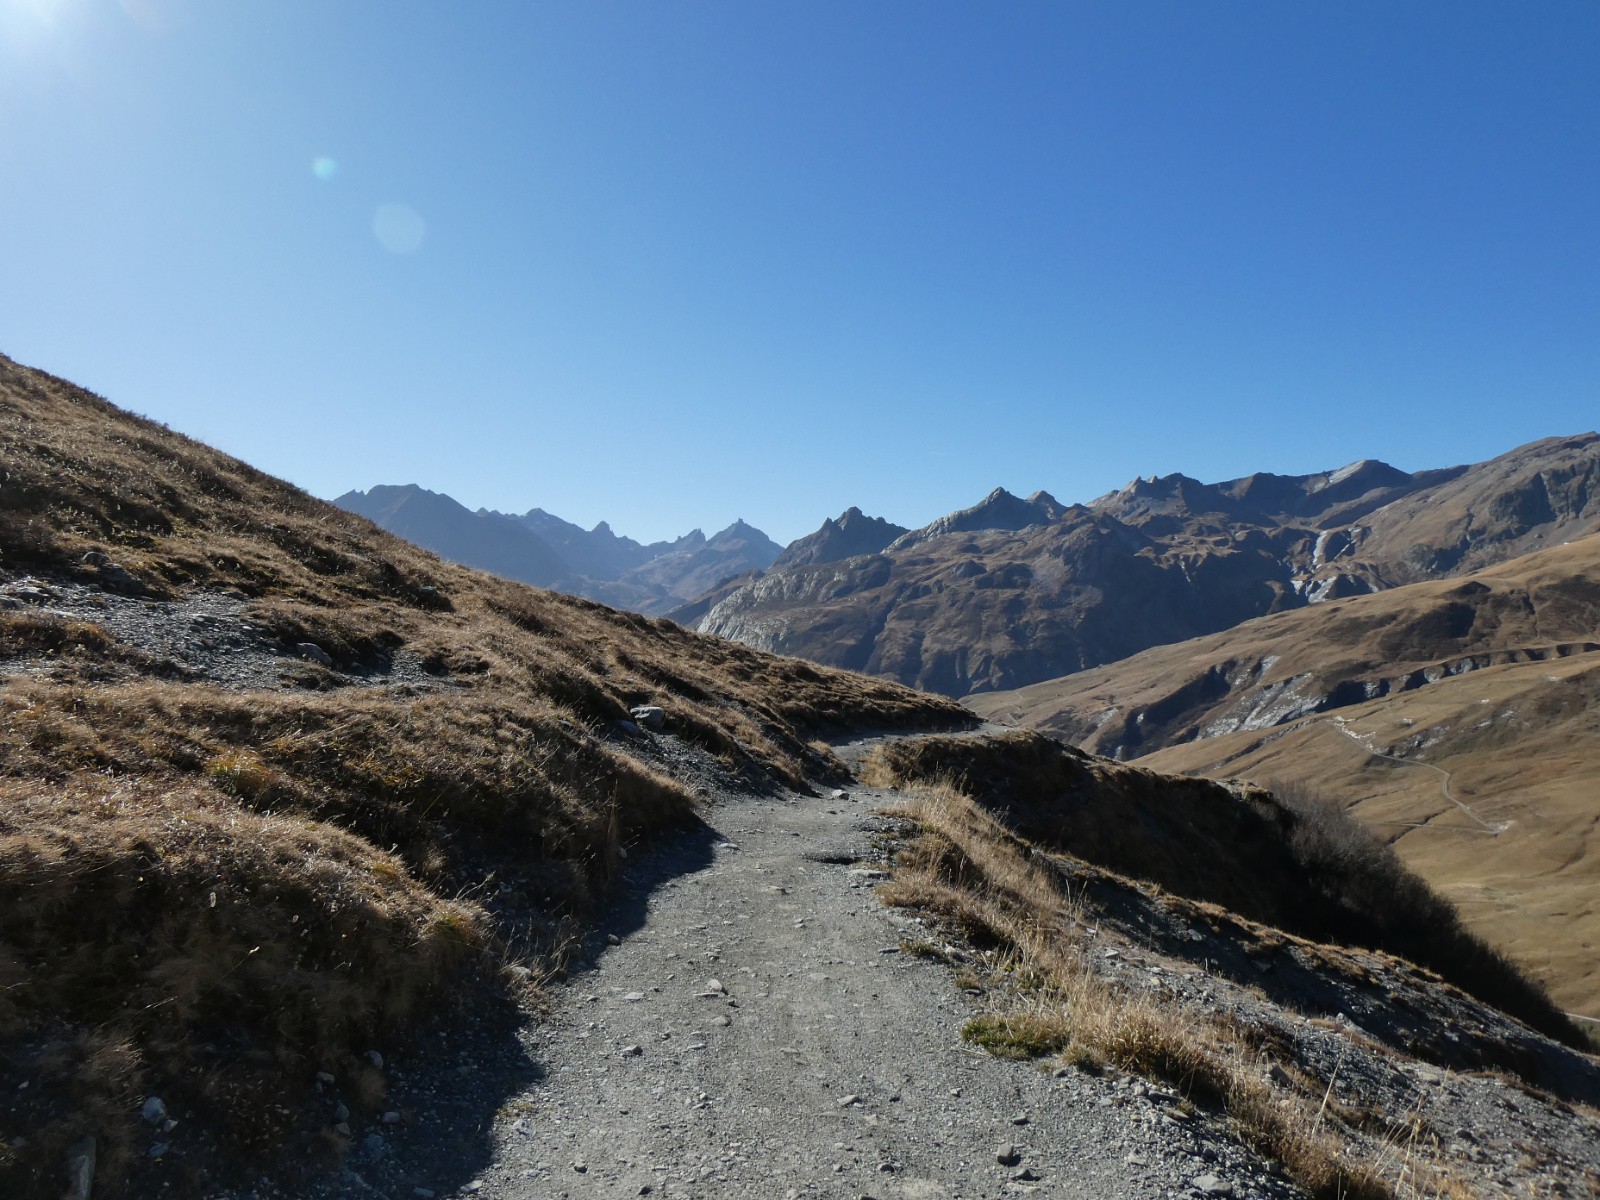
{"x":756,"y":1031}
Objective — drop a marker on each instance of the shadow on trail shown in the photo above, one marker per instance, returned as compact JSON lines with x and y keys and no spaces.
{"x":468,"y":1064}
{"x":690,"y":848}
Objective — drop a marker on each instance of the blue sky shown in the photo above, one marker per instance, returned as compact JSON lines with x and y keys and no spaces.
{"x":669,"y":264}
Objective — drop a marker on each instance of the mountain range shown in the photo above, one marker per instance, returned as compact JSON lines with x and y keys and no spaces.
{"x":546,"y":551}
{"x":1013,"y":591}
{"x":1418,"y":647}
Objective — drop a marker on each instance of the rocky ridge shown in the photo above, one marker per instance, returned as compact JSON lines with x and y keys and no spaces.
{"x":1013,"y":591}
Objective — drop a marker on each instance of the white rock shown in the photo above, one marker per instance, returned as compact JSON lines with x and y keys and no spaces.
{"x":314,"y":652}
{"x":80,"y":1169}
{"x":649,"y":715}
{"x":153,"y":1109}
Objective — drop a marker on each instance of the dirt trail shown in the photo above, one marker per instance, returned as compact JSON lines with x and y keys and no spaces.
{"x":1492,"y":830}
{"x":757,"y":1032}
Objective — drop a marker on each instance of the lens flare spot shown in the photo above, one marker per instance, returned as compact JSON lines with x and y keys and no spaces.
{"x":324,"y":167}
{"x":399,"y":228}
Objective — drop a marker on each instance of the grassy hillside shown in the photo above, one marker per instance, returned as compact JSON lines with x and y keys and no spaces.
{"x":1514,"y":842}
{"x":220,"y":886}
{"x":1028,"y":853}
{"x":1461,"y":719}
{"x":1286,"y":863}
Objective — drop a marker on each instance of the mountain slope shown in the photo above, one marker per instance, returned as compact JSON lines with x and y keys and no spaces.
{"x":275,"y":784}
{"x":596,"y":553}
{"x":1461,"y":717}
{"x":848,"y":535}
{"x":546,"y":551}
{"x":695,"y":564}
{"x":488,"y":541}
{"x":259,"y":761}
{"x":1013,"y":591}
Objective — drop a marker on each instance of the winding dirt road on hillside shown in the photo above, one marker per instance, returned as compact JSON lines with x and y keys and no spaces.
{"x":1492,"y":830}
{"x":756,"y":1031}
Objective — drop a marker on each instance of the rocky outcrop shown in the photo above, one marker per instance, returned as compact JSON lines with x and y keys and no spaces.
{"x":998,"y":510}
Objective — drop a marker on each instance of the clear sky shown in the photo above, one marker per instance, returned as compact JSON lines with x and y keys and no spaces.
{"x":673,"y":263}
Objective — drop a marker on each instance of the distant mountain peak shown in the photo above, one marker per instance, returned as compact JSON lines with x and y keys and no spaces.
{"x":539,"y":547}
{"x":1000,"y":509}
{"x":850,"y":534}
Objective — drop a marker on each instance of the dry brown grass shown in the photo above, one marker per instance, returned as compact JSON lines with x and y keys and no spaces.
{"x":1303,"y":867}
{"x":220,"y":893}
{"x":973,"y":874}
{"x":1521,"y":744}
{"x":1519,"y":736}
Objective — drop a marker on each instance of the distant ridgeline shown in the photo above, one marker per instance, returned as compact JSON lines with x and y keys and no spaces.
{"x":544,"y":550}
{"x":1015,"y":591}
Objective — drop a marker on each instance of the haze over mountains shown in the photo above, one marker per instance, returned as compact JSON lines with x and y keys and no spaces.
{"x":544,"y":550}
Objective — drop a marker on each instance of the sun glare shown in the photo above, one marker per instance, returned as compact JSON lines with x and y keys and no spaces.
{"x":31,"y":24}
{"x":42,"y":13}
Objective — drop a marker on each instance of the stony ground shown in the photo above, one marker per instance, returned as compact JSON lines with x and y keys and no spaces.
{"x":756,"y":1030}
{"x":748,"y":1023}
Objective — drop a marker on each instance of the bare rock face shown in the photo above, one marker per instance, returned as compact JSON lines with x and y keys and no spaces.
{"x":849,"y":535}
{"x":1014,"y":591}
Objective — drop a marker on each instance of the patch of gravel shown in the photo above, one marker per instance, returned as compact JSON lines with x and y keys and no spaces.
{"x":202,"y":637}
{"x":1428,"y":1065}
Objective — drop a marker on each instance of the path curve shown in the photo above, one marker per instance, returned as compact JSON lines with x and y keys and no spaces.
{"x":1492,"y":830}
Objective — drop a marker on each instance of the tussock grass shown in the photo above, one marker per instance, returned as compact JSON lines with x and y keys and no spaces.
{"x":1286,"y":860}
{"x":217,"y":894}
{"x":968,"y":869}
